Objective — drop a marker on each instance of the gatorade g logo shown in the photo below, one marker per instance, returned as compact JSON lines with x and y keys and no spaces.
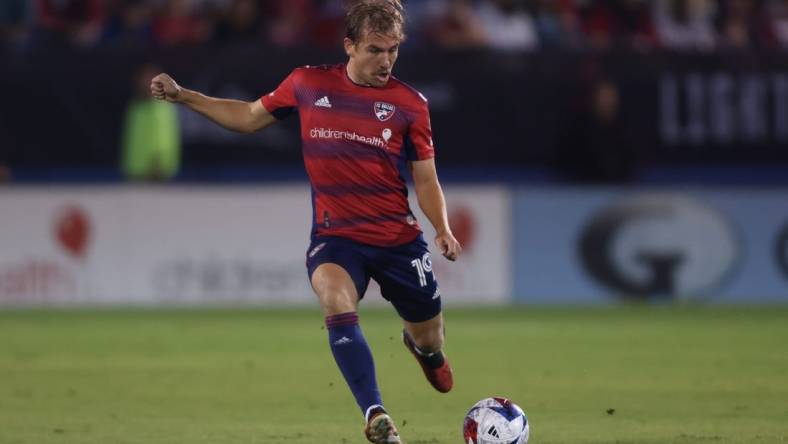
{"x":782,"y":250}
{"x":659,"y":246}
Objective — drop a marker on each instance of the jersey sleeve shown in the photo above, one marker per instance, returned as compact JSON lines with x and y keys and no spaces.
{"x":281,"y":102}
{"x":420,"y":133}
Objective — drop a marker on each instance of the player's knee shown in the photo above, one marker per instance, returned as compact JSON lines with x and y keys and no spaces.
{"x":336,"y":300}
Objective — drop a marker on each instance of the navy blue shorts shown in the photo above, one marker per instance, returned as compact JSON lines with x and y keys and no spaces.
{"x":404,"y":272}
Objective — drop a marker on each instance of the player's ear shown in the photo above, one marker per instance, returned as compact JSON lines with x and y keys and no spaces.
{"x":350,"y":47}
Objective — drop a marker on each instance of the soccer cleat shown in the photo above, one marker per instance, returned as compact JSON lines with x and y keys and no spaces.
{"x":381,"y":430}
{"x":441,"y":376}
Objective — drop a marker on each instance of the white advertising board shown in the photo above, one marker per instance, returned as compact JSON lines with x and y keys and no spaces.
{"x":128,"y":245}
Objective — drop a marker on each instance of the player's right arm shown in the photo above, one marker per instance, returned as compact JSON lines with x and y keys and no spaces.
{"x":235,"y":115}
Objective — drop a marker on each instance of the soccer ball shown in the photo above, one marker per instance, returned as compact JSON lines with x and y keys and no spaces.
{"x":495,"y":421}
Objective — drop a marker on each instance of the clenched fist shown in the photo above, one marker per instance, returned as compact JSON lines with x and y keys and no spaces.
{"x":163,"y":87}
{"x":449,"y":246}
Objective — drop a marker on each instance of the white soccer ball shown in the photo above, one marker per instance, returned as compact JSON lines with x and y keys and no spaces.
{"x":496,"y":421}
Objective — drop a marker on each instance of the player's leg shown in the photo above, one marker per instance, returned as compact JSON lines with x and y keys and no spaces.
{"x":339,"y":281}
{"x":338,"y":298}
{"x":427,"y":336}
{"x":425,"y":342}
{"x":406,"y":279}
{"x":335,"y":290}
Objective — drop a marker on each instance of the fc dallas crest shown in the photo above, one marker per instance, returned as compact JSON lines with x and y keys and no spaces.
{"x":384,"y":111}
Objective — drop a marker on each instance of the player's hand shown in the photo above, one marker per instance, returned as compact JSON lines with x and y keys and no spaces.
{"x":163,"y":87}
{"x":448,"y":245}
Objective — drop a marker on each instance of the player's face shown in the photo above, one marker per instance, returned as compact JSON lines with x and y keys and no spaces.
{"x":372,"y":58}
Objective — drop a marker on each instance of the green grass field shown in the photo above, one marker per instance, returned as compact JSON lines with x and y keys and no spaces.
{"x":623,"y":375}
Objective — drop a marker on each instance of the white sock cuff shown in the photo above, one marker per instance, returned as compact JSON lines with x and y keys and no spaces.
{"x":374,"y":406}
{"x":426,"y":355}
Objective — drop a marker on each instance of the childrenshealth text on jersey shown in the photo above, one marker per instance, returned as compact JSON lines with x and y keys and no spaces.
{"x":356,"y":140}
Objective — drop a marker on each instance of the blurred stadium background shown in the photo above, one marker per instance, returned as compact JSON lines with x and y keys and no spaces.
{"x":593,"y":154}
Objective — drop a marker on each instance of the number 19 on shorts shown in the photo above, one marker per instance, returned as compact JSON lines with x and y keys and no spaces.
{"x":423,"y":266}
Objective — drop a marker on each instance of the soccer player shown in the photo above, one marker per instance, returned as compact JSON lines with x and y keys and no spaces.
{"x":359,"y":125}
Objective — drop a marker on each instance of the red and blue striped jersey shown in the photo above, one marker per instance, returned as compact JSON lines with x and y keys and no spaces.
{"x":356,"y":141}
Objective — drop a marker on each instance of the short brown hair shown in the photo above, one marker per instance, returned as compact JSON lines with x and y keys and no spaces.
{"x":385,"y":17}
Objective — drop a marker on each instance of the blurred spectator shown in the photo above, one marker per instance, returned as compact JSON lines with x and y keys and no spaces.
{"x":241,"y":21}
{"x":180,"y":22}
{"x":151,"y":146}
{"x":557,"y":23}
{"x":15,"y":21}
{"x":328,"y":27}
{"x":70,"y":22}
{"x":778,"y":12}
{"x":457,"y":25}
{"x":508,"y":25}
{"x":500,"y":24}
{"x":128,"y":22}
{"x":291,"y":23}
{"x":609,"y":23}
{"x":685,"y":24}
{"x":596,"y":147}
{"x":637,"y":24}
{"x":419,"y":17}
{"x":742,"y":25}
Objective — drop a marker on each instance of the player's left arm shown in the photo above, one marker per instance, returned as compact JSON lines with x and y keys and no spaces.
{"x":433,"y":204}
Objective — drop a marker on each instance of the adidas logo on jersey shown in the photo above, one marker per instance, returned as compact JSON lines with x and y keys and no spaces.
{"x":323,"y":102}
